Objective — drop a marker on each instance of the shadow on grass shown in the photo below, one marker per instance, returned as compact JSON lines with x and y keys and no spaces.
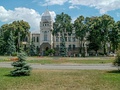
{"x":114,"y":71}
{"x":9,"y":75}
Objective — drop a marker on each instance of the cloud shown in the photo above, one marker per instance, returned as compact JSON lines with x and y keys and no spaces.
{"x":73,"y":7}
{"x":102,"y":5}
{"x":21,"y":13}
{"x":54,"y":2}
{"x":53,"y":14}
{"x":118,"y":14}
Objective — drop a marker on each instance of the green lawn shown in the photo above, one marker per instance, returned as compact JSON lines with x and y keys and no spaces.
{"x":63,"y":60}
{"x":61,"y":80}
{"x":68,"y":60}
{"x":71,"y":61}
{"x":5,"y":58}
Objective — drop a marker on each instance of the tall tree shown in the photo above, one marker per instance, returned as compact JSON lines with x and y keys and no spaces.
{"x":2,"y":46}
{"x":10,"y":45}
{"x":107,"y":23}
{"x":16,"y":27}
{"x":62,"y":25}
{"x":114,"y":36}
{"x":80,"y":30}
{"x":2,"y":43}
{"x":94,"y":33}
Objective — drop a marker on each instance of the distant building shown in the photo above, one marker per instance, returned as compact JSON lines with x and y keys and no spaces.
{"x":45,"y":40}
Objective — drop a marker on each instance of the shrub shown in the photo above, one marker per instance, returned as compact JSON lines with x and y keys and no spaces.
{"x":21,"y":68}
{"x":117,"y":60}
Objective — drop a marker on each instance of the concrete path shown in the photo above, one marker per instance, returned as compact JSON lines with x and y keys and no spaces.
{"x":67,"y":66}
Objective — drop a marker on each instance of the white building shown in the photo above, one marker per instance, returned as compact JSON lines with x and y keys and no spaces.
{"x":45,"y":40}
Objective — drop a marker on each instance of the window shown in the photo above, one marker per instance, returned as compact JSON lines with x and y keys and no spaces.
{"x":69,"y":34}
{"x":57,"y":39}
{"x":73,"y":47}
{"x":57,"y":46}
{"x":69,"y":39}
{"x":66,"y":39}
{"x":61,"y":39}
{"x":69,"y":47}
{"x":73,"y":39}
{"x":73,"y":34}
{"x":33,"y":39}
{"x":65,"y":34}
{"x":45,"y":36}
{"x":37,"y":39}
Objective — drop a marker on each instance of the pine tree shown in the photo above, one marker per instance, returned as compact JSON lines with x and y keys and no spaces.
{"x":32,"y":49}
{"x":2,"y":44}
{"x":21,"y":67}
{"x":10,"y":45}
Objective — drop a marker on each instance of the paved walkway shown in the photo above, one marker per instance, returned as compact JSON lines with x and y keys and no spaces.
{"x":66,"y":66}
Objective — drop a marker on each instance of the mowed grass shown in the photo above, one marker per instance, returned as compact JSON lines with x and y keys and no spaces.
{"x":68,"y":60}
{"x":61,"y":80}
{"x":63,"y":60}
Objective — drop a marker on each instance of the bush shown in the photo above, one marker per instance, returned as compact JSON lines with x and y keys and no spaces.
{"x":117,"y":60}
{"x":21,"y":68}
{"x":14,"y":54}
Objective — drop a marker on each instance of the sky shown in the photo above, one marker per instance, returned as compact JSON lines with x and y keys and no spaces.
{"x":32,"y":10}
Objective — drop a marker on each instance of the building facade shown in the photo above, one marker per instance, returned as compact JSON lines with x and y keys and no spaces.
{"x":45,"y":40}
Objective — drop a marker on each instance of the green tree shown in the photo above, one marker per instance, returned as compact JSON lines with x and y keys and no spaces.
{"x":80,"y":30}
{"x":17,"y":27}
{"x":32,"y":49}
{"x":2,"y":46}
{"x":94,"y":36}
{"x":114,"y":36}
{"x":117,"y":60}
{"x":62,"y":25}
{"x":10,"y":45}
{"x":50,"y":52}
{"x":107,"y":23}
{"x":20,"y":67}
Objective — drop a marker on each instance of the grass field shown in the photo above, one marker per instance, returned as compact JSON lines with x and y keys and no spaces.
{"x":61,"y":80}
{"x":64,"y":60}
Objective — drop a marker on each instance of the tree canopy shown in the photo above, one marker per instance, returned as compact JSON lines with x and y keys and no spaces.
{"x":16,"y":27}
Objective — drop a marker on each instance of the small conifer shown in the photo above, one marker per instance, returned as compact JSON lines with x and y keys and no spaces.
{"x":21,"y":67}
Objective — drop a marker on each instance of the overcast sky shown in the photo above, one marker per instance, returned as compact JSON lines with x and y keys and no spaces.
{"x":31,"y":10}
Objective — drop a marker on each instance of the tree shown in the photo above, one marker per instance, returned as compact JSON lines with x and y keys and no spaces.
{"x":107,"y":23}
{"x":94,"y":36}
{"x":94,"y":46}
{"x":117,"y":60}
{"x":32,"y":49}
{"x":2,"y":45}
{"x":10,"y":45}
{"x":49,"y":52}
{"x":80,"y":30}
{"x":16,"y":27}
{"x":62,"y":25}
{"x":20,"y":67}
{"x":114,"y":36}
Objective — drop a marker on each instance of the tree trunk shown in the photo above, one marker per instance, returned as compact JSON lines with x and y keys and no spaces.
{"x":104,"y":47}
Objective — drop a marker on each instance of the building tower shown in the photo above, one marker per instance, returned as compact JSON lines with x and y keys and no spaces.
{"x":46,"y":37}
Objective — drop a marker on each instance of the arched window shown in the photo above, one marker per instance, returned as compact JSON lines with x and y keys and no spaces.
{"x":45,"y":36}
{"x":37,"y":39}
